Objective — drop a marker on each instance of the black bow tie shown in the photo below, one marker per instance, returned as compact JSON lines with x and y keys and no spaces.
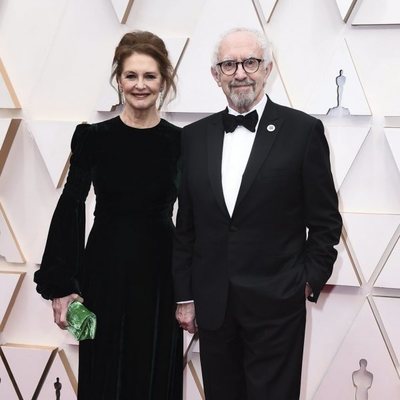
{"x":231,"y":122}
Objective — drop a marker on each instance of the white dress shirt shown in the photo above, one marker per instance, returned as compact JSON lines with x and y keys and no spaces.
{"x":235,"y":155}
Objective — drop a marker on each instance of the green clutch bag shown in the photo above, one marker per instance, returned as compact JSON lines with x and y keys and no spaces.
{"x":81,"y":321}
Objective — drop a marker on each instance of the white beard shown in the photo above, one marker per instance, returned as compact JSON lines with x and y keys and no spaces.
{"x":243,"y":101}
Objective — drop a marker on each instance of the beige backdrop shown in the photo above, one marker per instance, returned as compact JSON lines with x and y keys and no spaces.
{"x":54,"y":66}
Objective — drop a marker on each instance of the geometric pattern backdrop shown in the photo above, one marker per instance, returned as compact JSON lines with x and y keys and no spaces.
{"x":56,"y":57}
{"x":36,"y":372}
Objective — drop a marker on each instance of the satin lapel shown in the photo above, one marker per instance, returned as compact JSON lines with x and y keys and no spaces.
{"x":268,"y":129}
{"x":215,"y":140}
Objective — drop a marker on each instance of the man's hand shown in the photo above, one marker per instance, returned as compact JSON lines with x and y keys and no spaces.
{"x":186,"y":317}
{"x":60,"y":307}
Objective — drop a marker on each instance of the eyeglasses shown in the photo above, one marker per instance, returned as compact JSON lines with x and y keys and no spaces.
{"x":250,"y":65}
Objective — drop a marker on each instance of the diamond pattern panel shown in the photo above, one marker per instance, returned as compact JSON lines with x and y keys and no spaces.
{"x":9,"y":246}
{"x":8,"y":97}
{"x":393,"y":138}
{"x":338,"y":333}
{"x":8,"y":130}
{"x":383,"y":12}
{"x":388,"y":309}
{"x":321,"y":341}
{"x":268,"y":7}
{"x":28,"y":365}
{"x":194,"y":386}
{"x":373,"y":185}
{"x":7,"y":389}
{"x":122,"y":9}
{"x":345,"y":8}
{"x":364,"y":229}
{"x":345,"y":143}
{"x":59,"y":380}
{"x":10,"y":283}
{"x":344,"y":271}
{"x":380,"y":45}
{"x":389,"y":276}
{"x":53,"y":139}
{"x":4,"y":125}
{"x":363,"y":341}
{"x":347,"y":92}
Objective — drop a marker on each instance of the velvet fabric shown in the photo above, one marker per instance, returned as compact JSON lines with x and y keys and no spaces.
{"x":124,"y":272}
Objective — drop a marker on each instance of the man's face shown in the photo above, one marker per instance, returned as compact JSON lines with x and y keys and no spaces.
{"x":242,"y":89}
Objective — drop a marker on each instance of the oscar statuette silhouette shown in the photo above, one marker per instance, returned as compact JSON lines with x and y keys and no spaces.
{"x":339,"y":111}
{"x":57,"y":387}
{"x":362,"y":380}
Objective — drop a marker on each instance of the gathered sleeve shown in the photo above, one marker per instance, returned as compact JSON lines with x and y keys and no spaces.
{"x":62,"y":258}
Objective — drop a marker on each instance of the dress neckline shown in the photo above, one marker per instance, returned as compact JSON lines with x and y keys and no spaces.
{"x":143,"y":130}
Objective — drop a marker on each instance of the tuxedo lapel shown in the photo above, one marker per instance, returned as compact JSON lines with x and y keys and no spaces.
{"x":268,"y":129}
{"x":215,"y":141}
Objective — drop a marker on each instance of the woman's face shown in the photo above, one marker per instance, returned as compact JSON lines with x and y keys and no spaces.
{"x":140,"y":82}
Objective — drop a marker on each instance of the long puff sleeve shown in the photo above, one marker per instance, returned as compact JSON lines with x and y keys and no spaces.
{"x":62,"y":258}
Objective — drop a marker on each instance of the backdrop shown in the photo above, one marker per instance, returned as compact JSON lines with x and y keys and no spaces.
{"x":336,"y":59}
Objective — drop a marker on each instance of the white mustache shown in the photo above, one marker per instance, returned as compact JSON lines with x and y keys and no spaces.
{"x":246,"y":83}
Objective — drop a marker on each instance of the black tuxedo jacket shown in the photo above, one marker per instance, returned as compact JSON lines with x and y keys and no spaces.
{"x":284,"y":225}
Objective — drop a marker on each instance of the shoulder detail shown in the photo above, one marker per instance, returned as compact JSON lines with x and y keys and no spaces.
{"x":81,"y":133}
{"x":84,"y":132}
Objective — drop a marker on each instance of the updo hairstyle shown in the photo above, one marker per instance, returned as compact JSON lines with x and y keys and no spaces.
{"x":144,"y":42}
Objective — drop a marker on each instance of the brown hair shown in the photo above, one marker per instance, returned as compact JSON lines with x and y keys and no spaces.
{"x":144,"y":42}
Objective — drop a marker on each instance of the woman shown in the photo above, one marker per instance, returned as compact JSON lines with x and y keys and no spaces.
{"x":123,"y":274}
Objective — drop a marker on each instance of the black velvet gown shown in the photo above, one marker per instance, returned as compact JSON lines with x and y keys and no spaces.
{"x":124,"y":272}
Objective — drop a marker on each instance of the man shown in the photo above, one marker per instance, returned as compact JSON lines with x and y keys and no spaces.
{"x":257,"y":222}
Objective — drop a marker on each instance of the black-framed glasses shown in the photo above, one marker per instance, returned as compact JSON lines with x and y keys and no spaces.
{"x":250,"y":65}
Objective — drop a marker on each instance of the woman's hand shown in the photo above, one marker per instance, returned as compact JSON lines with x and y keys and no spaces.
{"x":60,"y":306}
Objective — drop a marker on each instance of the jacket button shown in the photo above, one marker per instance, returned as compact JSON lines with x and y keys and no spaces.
{"x":233,"y":228}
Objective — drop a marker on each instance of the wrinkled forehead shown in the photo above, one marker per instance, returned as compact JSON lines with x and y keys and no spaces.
{"x":239,"y":46}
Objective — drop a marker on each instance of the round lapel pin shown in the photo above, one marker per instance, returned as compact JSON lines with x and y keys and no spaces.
{"x":270,"y":128}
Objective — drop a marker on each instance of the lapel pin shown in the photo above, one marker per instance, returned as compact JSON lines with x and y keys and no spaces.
{"x":270,"y":128}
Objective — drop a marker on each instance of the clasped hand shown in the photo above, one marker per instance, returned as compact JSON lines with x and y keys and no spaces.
{"x":186,"y":317}
{"x":60,"y":307}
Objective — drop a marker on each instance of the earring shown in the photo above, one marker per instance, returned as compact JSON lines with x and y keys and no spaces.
{"x":161,"y":99}
{"x":121,"y":97}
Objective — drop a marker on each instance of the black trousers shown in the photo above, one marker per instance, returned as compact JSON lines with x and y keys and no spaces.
{"x":254,"y":356}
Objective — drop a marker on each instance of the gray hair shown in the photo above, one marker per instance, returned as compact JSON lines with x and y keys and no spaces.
{"x":260,"y":37}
